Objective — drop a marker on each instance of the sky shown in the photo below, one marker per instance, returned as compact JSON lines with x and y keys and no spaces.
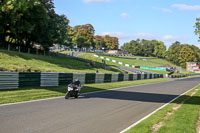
{"x":163,"y":20}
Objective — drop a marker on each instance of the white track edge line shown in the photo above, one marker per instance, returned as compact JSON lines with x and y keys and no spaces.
{"x":134,"y":124}
{"x":81,"y":94}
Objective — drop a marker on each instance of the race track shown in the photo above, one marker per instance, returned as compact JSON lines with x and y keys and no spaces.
{"x":102,"y":112}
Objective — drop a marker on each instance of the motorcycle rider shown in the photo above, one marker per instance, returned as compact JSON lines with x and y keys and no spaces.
{"x":77,"y":83}
{"x":73,"y":89}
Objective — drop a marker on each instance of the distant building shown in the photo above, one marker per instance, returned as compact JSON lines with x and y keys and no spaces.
{"x":192,"y":67}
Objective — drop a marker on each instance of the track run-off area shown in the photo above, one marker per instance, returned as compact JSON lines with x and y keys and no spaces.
{"x":108,"y":111}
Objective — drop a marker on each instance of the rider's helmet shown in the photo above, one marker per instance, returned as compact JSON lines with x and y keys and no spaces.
{"x":77,"y":82}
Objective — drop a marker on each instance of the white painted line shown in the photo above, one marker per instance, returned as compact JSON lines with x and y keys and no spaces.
{"x":134,"y":124}
{"x":80,"y":95}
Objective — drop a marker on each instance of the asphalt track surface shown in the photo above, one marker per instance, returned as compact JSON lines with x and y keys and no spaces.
{"x":103,"y":112}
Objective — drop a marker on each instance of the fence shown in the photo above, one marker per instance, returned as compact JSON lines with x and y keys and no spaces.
{"x":14,"y":80}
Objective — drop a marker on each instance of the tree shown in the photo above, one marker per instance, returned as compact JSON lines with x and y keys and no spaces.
{"x":83,"y":35}
{"x":115,"y":42}
{"x":99,"y":42}
{"x":69,"y":34}
{"x":111,"y":42}
{"x":186,"y":55}
{"x":159,"y":49}
{"x":127,"y":47}
{"x":25,"y":23}
{"x":196,"y":51}
{"x":147,"y":47}
{"x":62,"y":30}
{"x":173,"y":52}
{"x":197,"y":27}
{"x":134,"y":47}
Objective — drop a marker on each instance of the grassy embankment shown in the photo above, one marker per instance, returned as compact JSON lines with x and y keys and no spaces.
{"x":34,"y":93}
{"x":21,"y":62}
{"x":180,"y":116}
{"x":147,"y":62}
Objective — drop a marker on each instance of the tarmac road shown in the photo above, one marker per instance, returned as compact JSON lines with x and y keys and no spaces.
{"x":102,"y":112}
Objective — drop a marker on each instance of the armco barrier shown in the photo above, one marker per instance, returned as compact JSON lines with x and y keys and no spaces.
{"x":114,"y":77}
{"x":121,"y":77}
{"x":27,"y":79}
{"x":49,"y":79}
{"x":80,"y":76}
{"x":135,"y":76}
{"x":107,"y":78}
{"x":90,"y":78}
{"x":130,"y":77}
{"x":65,"y":78}
{"x":13,"y":80}
{"x":126,"y":77}
{"x":183,"y":75}
{"x":9,"y":80}
{"x":99,"y":78}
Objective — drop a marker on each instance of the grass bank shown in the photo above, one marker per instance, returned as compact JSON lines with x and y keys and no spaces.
{"x":180,"y":116}
{"x":21,"y":62}
{"x":34,"y":93}
{"x":145,"y":61}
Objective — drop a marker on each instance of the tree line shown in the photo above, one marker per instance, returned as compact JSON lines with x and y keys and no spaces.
{"x":28,"y":22}
{"x":145,"y":48}
{"x":177,"y":53}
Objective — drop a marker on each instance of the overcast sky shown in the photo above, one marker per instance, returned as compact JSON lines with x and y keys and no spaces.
{"x":165,"y":20}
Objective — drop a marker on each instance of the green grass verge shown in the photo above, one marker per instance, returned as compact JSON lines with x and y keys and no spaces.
{"x":181,"y":121}
{"x":21,"y":62}
{"x":34,"y":93}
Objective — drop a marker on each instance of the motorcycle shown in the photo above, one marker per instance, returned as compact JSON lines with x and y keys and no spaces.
{"x":73,"y":91}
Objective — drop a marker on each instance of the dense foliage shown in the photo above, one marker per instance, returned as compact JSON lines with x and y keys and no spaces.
{"x":177,"y":53}
{"x":180,"y":54}
{"x":28,"y":22}
{"x":145,"y":48}
{"x":197,"y":27}
{"x":106,"y":42}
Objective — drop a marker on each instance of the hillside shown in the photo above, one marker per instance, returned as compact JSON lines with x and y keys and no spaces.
{"x":137,"y":61}
{"x":147,"y":62}
{"x":21,"y":62}
{"x":142,"y":61}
